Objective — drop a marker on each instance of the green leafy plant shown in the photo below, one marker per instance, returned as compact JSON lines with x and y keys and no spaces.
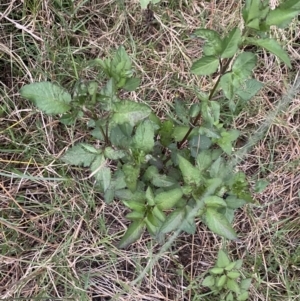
{"x":163,"y":169}
{"x":225,"y":279}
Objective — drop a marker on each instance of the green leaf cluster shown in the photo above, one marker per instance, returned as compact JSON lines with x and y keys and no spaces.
{"x":225,"y":279}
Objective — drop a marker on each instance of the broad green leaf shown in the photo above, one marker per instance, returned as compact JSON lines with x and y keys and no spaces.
{"x":181,"y":111}
{"x":152,"y":229}
{"x":230,"y":43}
{"x":230,"y":266}
{"x":163,"y":181}
{"x":131,"y":176}
{"x":78,"y":155}
{"x":233,"y":286}
{"x":173,"y":221}
{"x":281,"y":17}
{"x":180,"y":131}
{"x":208,"y":281}
{"x":143,"y":139}
{"x":238,"y":264}
{"x":222,"y":259}
{"x":127,"y":195}
{"x":234,"y":203}
{"x":199,"y":143}
{"x":272,"y":46}
{"x":227,"y":85}
{"x":135,"y":215}
{"x":243,"y":296}
{"x":245,"y":284}
{"x":205,"y":66}
{"x":130,"y":112}
{"x":168,"y":199}
{"x":101,"y":173}
{"x":131,"y":84}
{"x":165,"y":132}
{"x":216,"y":271}
{"x":221,"y":282}
{"x":114,"y":154}
{"x":188,"y":224}
{"x":135,"y":206}
{"x":213,"y":46}
{"x":225,"y":142}
{"x":251,"y":10}
{"x":204,"y":160}
{"x":249,"y":89}
{"x":159,"y":214}
{"x":261,"y":185}
{"x":229,"y":297}
{"x":290,"y":4}
{"x":151,"y":172}
{"x":217,"y":223}
{"x":118,"y":138}
{"x":214,"y":201}
{"x":150,"y":196}
{"x":194,"y":110}
{"x":48,"y":97}
{"x":233,"y":274}
{"x":132,"y":234}
{"x":244,"y":65}
{"x":217,"y":168}
{"x":191,"y":174}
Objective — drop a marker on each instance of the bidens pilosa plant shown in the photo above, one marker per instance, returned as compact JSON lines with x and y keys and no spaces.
{"x":164,"y":168}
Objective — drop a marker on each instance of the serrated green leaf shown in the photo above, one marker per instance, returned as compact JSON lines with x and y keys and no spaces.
{"x":225,"y":142}
{"x":101,"y":173}
{"x":150,"y":196}
{"x":281,"y":17}
{"x":79,"y":156}
{"x":131,"y":173}
{"x":151,"y":172}
{"x":159,"y":214}
{"x":191,"y":175}
{"x":168,"y":199}
{"x":213,"y":45}
{"x":165,"y":132}
{"x":188,"y":225}
{"x":243,"y":296}
{"x":221,"y":281}
{"x":163,"y":181}
{"x":216,"y":271}
{"x":130,"y":112}
{"x":272,"y":46}
{"x":131,"y":84}
{"x":135,"y":206}
{"x":214,"y":202}
{"x":208,"y":281}
{"x":143,"y":139}
{"x":217,"y":223}
{"x":244,"y":65}
{"x":233,"y":274}
{"x":249,"y":89}
{"x":48,"y":97}
{"x":152,"y":229}
{"x":233,"y":286}
{"x":238,"y":264}
{"x":222,"y":260}
{"x":227,"y":85}
{"x":230,"y":43}
{"x":290,"y":4}
{"x":173,"y":221}
{"x":234,"y":203}
{"x":114,"y":154}
{"x":245,"y":284}
{"x":132,"y":234}
{"x":230,"y":266}
{"x":205,"y":66}
{"x":252,"y":9}
{"x":204,"y":160}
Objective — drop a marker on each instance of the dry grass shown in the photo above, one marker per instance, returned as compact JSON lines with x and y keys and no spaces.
{"x":57,"y":236}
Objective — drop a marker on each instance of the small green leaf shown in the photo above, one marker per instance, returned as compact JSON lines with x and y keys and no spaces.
{"x":131,"y":84}
{"x":205,"y":66}
{"x":135,"y":206}
{"x":261,"y":185}
{"x":230,"y":266}
{"x":131,"y":176}
{"x":221,"y":282}
{"x":251,"y":10}
{"x":163,"y":181}
{"x":165,"y":132}
{"x":208,"y":281}
{"x":191,"y":174}
{"x":225,"y":142}
{"x":230,"y":43}
{"x":78,"y":155}
{"x":101,"y":173}
{"x":173,"y":221}
{"x":244,"y":64}
{"x":238,"y":264}
{"x":234,"y":203}
{"x":216,"y":271}
{"x":168,"y":199}
{"x":204,"y":160}
{"x":135,"y":215}
{"x":114,"y":154}
{"x":233,"y":275}
{"x":48,"y":97}
{"x":132,"y":234}
{"x":150,"y":196}
{"x":130,"y":112}
{"x":249,"y":89}
{"x":233,"y":286}
{"x":272,"y":46}
{"x":243,"y":296}
{"x":143,"y":139}
{"x":222,"y":260}
{"x":229,"y":297}
{"x":217,"y":223}
{"x":245,"y":284}
{"x":227,"y":85}
{"x":159,"y":214}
